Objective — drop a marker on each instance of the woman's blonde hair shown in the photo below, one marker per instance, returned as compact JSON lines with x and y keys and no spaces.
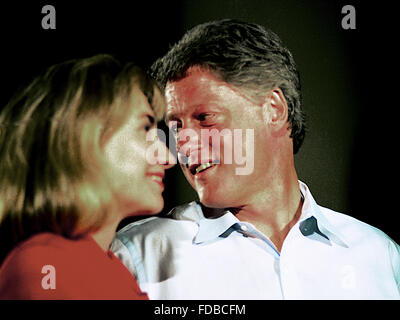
{"x":50,"y":146}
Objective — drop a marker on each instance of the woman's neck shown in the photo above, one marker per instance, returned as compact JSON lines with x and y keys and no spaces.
{"x":105,"y":235}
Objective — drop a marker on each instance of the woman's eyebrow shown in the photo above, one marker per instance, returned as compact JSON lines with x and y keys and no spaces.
{"x":149,"y":117}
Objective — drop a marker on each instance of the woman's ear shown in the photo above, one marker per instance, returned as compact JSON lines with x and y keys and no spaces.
{"x":276,"y":110}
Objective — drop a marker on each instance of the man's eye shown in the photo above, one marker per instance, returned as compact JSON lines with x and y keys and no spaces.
{"x":204,"y":116}
{"x":206,"y":119}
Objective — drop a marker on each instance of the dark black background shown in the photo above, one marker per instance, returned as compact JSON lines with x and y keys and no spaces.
{"x":350,"y":83}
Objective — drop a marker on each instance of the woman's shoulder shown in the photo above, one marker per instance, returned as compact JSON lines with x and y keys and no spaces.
{"x":26,"y":265}
{"x":28,"y":270}
{"x":45,"y":248}
{"x":33,"y":249}
{"x":48,"y":266}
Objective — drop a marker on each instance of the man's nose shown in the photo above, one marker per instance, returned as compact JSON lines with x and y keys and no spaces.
{"x":188,"y":141}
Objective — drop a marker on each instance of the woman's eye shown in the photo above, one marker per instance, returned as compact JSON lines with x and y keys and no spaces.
{"x":174,"y":126}
{"x":149,"y":124}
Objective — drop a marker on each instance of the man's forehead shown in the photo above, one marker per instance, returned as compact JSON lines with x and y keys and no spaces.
{"x":200,"y":87}
{"x":195,"y":82}
{"x":196,"y":88}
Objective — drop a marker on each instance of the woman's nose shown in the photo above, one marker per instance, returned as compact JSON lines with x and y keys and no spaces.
{"x":164,"y":156}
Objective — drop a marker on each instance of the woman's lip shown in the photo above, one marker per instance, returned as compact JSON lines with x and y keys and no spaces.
{"x":157,"y":174}
{"x":157,"y":177}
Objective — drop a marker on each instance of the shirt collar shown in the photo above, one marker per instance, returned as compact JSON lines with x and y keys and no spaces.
{"x":211,"y":229}
{"x":312,"y":209}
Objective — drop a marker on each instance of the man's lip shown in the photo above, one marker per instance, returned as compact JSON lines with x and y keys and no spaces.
{"x":204,"y":172}
{"x":193,"y":167}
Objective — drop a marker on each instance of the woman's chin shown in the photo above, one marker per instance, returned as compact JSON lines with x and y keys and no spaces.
{"x":151,"y":207}
{"x":148,"y":205}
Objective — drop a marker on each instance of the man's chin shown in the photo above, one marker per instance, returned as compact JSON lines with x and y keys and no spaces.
{"x":212,"y":201}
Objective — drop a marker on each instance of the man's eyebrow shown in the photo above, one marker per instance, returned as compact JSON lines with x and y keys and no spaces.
{"x":170,"y":117}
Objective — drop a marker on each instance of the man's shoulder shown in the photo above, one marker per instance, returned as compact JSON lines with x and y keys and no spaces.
{"x":355,"y":230}
{"x":181,"y":219}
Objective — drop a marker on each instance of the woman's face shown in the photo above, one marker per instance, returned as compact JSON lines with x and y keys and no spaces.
{"x":138,"y":182}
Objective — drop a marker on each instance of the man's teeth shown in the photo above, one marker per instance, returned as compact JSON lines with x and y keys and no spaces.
{"x":204,"y":166}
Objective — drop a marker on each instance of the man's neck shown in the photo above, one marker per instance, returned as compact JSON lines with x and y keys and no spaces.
{"x":274,"y":212}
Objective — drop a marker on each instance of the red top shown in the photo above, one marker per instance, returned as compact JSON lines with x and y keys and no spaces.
{"x":49,"y":266}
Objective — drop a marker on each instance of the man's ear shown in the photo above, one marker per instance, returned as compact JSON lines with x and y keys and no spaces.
{"x":276,"y":110}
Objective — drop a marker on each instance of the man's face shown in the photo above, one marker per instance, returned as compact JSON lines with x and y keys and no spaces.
{"x":200,"y":108}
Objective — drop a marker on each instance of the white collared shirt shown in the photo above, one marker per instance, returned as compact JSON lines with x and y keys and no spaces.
{"x":326,"y":255}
